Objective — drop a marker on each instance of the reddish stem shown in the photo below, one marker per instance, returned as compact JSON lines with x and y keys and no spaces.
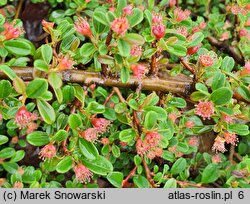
{"x":148,"y":173}
{"x":187,"y":66}
{"x":125,"y":182}
{"x":185,"y":183}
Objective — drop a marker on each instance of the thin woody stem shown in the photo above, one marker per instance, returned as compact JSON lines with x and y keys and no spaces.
{"x":187,"y":66}
{"x":180,"y":84}
{"x":125,"y":181}
{"x":148,"y":173}
{"x":185,"y":183}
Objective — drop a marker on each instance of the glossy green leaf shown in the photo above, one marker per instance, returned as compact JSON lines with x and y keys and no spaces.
{"x":178,"y":166}
{"x":38,"y":138}
{"x":221,"y":96}
{"x":210,"y":174}
{"x":115,"y":178}
{"x":36,"y":88}
{"x":46,"y":110}
{"x":127,"y":135}
{"x":64,"y":165}
{"x":88,"y":149}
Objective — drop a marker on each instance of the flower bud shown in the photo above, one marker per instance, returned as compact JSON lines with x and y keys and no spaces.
{"x":158,"y":31}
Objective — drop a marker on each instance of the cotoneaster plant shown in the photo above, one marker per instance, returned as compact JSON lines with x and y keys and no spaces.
{"x":126,"y":94}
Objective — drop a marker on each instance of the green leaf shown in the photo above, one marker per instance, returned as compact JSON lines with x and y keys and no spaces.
{"x":55,"y":80}
{"x":18,"y":47}
{"x":179,"y":166}
{"x":61,"y":135}
{"x":171,"y":183}
{"x":177,"y":50}
{"x":46,"y":51}
{"x":10,"y":167}
{"x":124,"y":74}
{"x":100,"y":165}
{"x":127,"y":135}
{"x":38,"y":138}
{"x":3,"y":139}
{"x":8,"y":71}
{"x":36,"y":88}
{"x":68,"y":93}
{"x":244,"y":92}
{"x":134,"y":39}
{"x":100,"y":16}
{"x":5,"y":88}
{"x":227,"y":64}
{"x":19,"y":85}
{"x":87,"y":50}
{"x":221,"y":96}
{"x":105,"y":59}
{"x":239,"y":129}
{"x":88,"y":149}
{"x":219,"y":80}
{"x":161,"y":113}
{"x":150,"y":120}
{"x":94,"y":107}
{"x":116,"y":151}
{"x":141,"y":182}
{"x":177,"y":102}
{"x":7,"y":152}
{"x":210,"y":174}
{"x":46,"y":111}
{"x":123,"y":47}
{"x":115,"y":178}
{"x":135,"y":18}
{"x":64,"y":165}
{"x":75,"y":121}
{"x":18,"y":156}
{"x":196,"y":39}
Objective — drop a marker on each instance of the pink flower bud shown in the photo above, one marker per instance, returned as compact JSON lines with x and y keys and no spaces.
{"x":136,"y":51}
{"x":47,"y":26}
{"x":120,"y":25}
{"x":2,"y":181}
{"x":156,"y":18}
{"x":23,"y":117}
{"x":246,"y":69}
{"x":138,"y":70}
{"x":128,"y":10}
{"x":224,"y":36}
{"x":243,"y":33}
{"x":247,"y":22}
{"x":151,"y":154}
{"x":205,"y":109}
{"x":18,"y":184}
{"x":158,"y":31}
{"x":83,"y":174}
{"x":172,"y":117}
{"x":82,"y":26}
{"x":216,"y":159}
{"x":152,"y":138}
{"x":172,"y":3}
{"x":47,"y":152}
{"x":189,"y":124}
{"x":65,"y":62}
{"x":158,"y":151}
{"x":105,"y":141}
{"x":227,"y":118}
{"x":219,"y":144}
{"x":182,"y":30}
{"x":141,"y":147}
{"x":193,"y":50}
{"x":193,"y":141}
{"x":100,"y":124}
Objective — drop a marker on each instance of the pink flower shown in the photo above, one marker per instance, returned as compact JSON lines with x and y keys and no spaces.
{"x":158,"y":151}
{"x":112,"y":9}
{"x":1,"y":117}
{"x":18,"y":184}
{"x":189,"y":124}
{"x":224,"y":36}
{"x":216,"y":159}
{"x":152,"y":138}
{"x":128,"y":10}
{"x":23,"y":117}
{"x":151,"y":154}
{"x":181,"y":15}
{"x":141,"y":147}
{"x":158,"y":31}
{"x":120,"y":25}
{"x":172,"y":3}
{"x":2,"y":181}
{"x":227,"y":118}
{"x":196,"y":29}
{"x":82,"y":26}
{"x":247,"y":22}
{"x":91,"y":134}
{"x":136,"y":51}
{"x":246,"y":69}
{"x":14,"y":140}
{"x":172,"y":117}
{"x":31,"y":127}
{"x":65,"y":62}
{"x":193,"y":50}
{"x":104,"y":141}
{"x":219,"y":144}
{"x":205,"y":109}
{"x":47,"y":152}
{"x":202,"y":25}
{"x":10,"y":32}
{"x":182,"y":30}
{"x":230,"y":138}
{"x":243,"y":33}
{"x":83,"y":174}
{"x":193,"y":141}
{"x":138,"y":70}
{"x":206,"y":60}
{"x":156,"y":18}
{"x":100,"y":124}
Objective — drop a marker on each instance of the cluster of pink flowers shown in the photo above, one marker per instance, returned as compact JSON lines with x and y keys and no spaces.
{"x":189,"y":124}
{"x":230,"y":138}
{"x":11,"y":32}
{"x":202,"y":25}
{"x":138,"y":70}
{"x":82,"y":27}
{"x":216,"y":158}
{"x":128,"y":10}
{"x":236,"y":9}
{"x":227,"y":118}
{"x":65,"y":63}
{"x":181,"y":15}
{"x":227,"y":137}
{"x":193,"y":141}
{"x":158,"y":28}
{"x":47,"y":152}
{"x":83,"y":174}
{"x":246,"y":69}
{"x":206,"y":60}
{"x":205,"y":109}
{"x":24,"y":118}
{"x":182,"y":30}
{"x":120,"y":25}
{"x":244,"y":33}
{"x":100,"y":126}
{"x":150,"y":145}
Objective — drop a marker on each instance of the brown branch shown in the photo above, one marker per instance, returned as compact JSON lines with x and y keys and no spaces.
{"x":185,"y":183}
{"x":187,"y":66}
{"x":19,"y":6}
{"x":119,"y":94}
{"x":237,"y":156}
{"x":105,"y":66}
{"x":231,"y":154}
{"x":125,"y":181}
{"x":179,"y":84}
{"x":227,"y":49}
{"x":108,"y":98}
{"x":148,"y":173}
{"x":153,"y":65}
